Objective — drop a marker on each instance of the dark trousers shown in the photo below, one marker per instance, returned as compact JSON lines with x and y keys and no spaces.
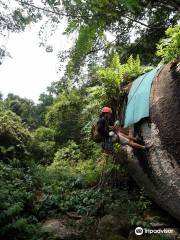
{"x":107,"y":145}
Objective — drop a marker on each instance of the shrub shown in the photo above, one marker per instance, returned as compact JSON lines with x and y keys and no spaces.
{"x":84,"y":202}
{"x":169,"y":48}
{"x":16,"y":203}
{"x":112,"y":76}
{"x":89,"y":171}
{"x":44,"y":145}
{"x":63,"y":116}
{"x":14,"y":137}
{"x":70,"y":152}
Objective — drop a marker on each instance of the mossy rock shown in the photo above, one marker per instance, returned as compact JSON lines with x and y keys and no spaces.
{"x":111,"y":228}
{"x":60,"y":229}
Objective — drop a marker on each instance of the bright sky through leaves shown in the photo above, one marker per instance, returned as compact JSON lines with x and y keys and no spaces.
{"x":31,"y":69}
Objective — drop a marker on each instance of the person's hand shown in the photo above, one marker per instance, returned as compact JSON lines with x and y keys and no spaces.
{"x":117,"y":123}
{"x":111,"y":134}
{"x":115,"y":128}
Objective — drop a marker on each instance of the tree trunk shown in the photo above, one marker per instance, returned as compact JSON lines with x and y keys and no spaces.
{"x":157,"y":170}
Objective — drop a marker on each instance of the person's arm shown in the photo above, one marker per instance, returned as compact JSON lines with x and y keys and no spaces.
{"x":127,"y":136}
{"x":120,"y":129}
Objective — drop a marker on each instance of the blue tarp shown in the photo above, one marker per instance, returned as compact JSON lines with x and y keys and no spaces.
{"x":139,"y":97}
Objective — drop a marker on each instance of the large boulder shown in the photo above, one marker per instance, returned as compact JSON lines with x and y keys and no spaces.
{"x":61,"y":229}
{"x":157,"y":169}
{"x":110,"y":227}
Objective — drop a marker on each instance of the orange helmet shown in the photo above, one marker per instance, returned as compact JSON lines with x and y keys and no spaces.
{"x":106,"y":110}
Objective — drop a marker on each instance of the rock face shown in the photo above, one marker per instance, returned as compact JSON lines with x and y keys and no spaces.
{"x":60,"y":229}
{"x":110,"y":227}
{"x":157,"y":170}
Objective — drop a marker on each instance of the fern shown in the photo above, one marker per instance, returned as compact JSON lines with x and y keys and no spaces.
{"x":169,"y":48}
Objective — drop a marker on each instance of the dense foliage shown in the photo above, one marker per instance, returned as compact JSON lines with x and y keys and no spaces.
{"x":14,"y":137}
{"x":169,"y":48}
{"x":43,"y":144}
{"x":24,"y":108}
{"x":17,"y":203}
{"x":93,"y":19}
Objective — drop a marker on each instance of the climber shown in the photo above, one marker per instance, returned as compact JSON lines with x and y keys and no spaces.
{"x":103,"y":128}
{"x":111,"y":134}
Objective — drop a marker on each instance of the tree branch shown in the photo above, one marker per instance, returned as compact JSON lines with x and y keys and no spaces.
{"x":50,"y":11}
{"x":141,"y":23}
{"x":134,"y":20}
{"x":81,"y":16}
{"x":173,"y":7}
{"x":101,"y":48}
